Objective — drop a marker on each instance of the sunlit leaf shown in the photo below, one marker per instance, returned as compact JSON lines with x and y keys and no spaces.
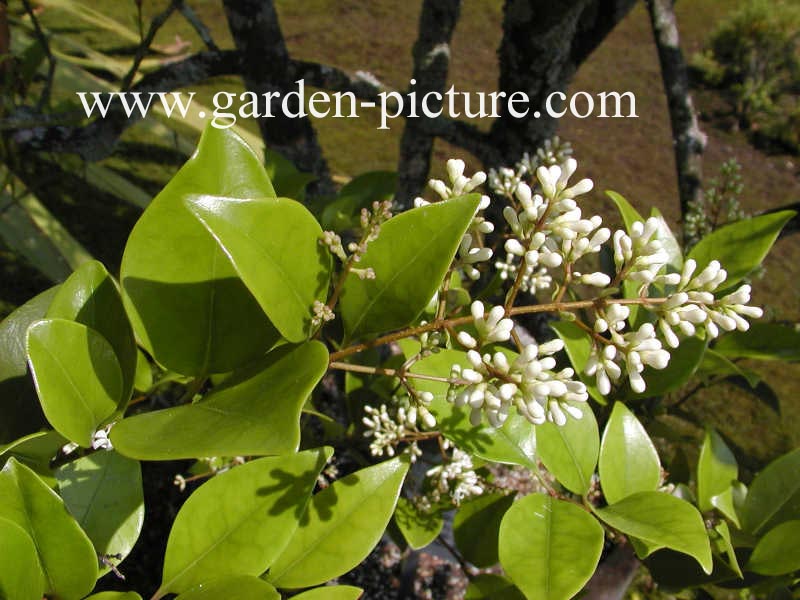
{"x":21,"y":577}
{"x":570,"y":452}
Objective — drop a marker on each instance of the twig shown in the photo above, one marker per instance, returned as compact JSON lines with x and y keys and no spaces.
{"x":144,"y":47}
{"x":197,"y":25}
{"x":44,"y":99}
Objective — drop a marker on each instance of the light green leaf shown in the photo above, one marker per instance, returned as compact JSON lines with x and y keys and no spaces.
{"x":570,"y":452}
{"x":36,"y":451}
{"x":763,"y":341}
{"x":410,"y":259}
{"x":341,"y":526}
{"x":549,"y":548}
{"x":716,"y":472}
{"x":331,"y":592}
{"x":66,"y":555}
{"x":115,"y":596}
{"x":727,"y":546}
{"x":77,"y":377}
{"x":236,"y":587}
{"x":476,"y":527}
{"x":774,"y":495}
{"x":628,"y":460}
{"x":188,"y":307}
{"x":740,"y":246}
{"x":90,"y":297}
{"x":239,"y":521}
{"x":256,"y":412}
{"x":285,"y":177}
{"x":103,"y":491}
{"x":492,"y":587}
{"x":274,"y":245}
{"x":778,"y":552}
{"x":21,"y":577}
{"x":419,"y":529}
{"x":514,"y":443}
{"x":19,"y":404}
{"x":578,"y":346}
{"x":143,"y":378}
{"x":629,"y":214}
{"x":661,"y":521}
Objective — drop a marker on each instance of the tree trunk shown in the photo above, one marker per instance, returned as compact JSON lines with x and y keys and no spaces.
{"x":265,"y":68}
{"x":689,"y":141}
{"x":431,"y":63}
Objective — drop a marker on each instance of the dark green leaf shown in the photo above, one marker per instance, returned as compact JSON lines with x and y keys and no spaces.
{"x":740,"y":246}
{"x":274,"y":245}
{"x":661,"y":521}
{"x":90,"y":297}
{"x":35,"y":451}
{"x":683,"y":363}
{"x":774,"y":495}
{"x":188,"y":307}
{"x":103,"y":491}
{"x":549,"y":548}
{"x":115,"y":596}
{"x":763,"y":341}
{"x":255,"y":413}
{"x":21,"y":577}
{"x":492,"y":587}
{"x":778,"y":552}
{"x":570,"y":452}
{"x":236,"y":587}
{"x":67,"y":557}
{"x":285,"y":177}
{"x":345,"y":211}
{"x":716,"y":472}
{"x":418,"y":528}
{"x":628,"y":460}
{"x":716,"y":364}
{"x":239,"y":521}
{"x":476,"y":527}
{"x":77,"y":377}
{"x":341,"y":526}
{"x":19,"y":404}
{"x":410,"y":259}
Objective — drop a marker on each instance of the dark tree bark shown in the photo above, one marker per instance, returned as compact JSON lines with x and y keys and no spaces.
{"x":265,"y":67}
{"x":688,"y":140}
{"x":543,"y":45}
{"x":431,"y":63}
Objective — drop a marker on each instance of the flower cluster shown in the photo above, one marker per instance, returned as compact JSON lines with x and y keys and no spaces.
{"x":528,"y":382}
{"x":455,"y":478}
{"x":390,"y":428}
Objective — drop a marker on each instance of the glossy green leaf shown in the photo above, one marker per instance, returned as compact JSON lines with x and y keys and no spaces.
{"x":548,"y":547}
{"x":236,"y":587}
{"x":763,"y":341}
{"x":256,"y":412}
{"x":345,"y":211}
{"x":115,"y":596}
{"x":287,"y":180}
{"x":418,"y":528}
{"x":21,"y":577}
{"x":570,"y":452}
{"x":629,"y":214}
{"x":683,"y":363}
{"x":410,"y":259}
{"x":341,"y":526}
{"x":143,"y":377}
{"x":274,"y":245}
{"x":628,"y":459}
{"x":66,"y":555}
{"x":492,"y":587}
{"x":578,"y":346}
{"x":35,"y":451}
{"x":774,"y":495}
{"x":77,"y":377}
{"x":187,"y":305}
{"x":661,"y":521}
{"x":717,"y":365}
{"x":514,"y":443}
{"x":740,"y":246}
{"x":90,"y":297}
{"x":103,"y":491}
{"x":778,"y":551}
{"x":725,"y":544}
{"x":476,"y":527}
{"x":716,"y":472}
{"x":331,"y":592}
{"x":238,"y":522}
{"x":19,"y":404}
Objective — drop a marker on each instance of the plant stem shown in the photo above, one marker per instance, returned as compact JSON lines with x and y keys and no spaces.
{"x":343,"y":366}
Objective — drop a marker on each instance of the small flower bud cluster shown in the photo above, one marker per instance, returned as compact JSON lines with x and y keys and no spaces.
{"x":389,"y":429}
{"x":504,"y":181}
{"x":693,"y":304}
{"x":322,"y":314}
{"x":640,"y":256}
{"x":455,"y":478}
{"x":491,"y":328}
{"x":529,"y":383}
